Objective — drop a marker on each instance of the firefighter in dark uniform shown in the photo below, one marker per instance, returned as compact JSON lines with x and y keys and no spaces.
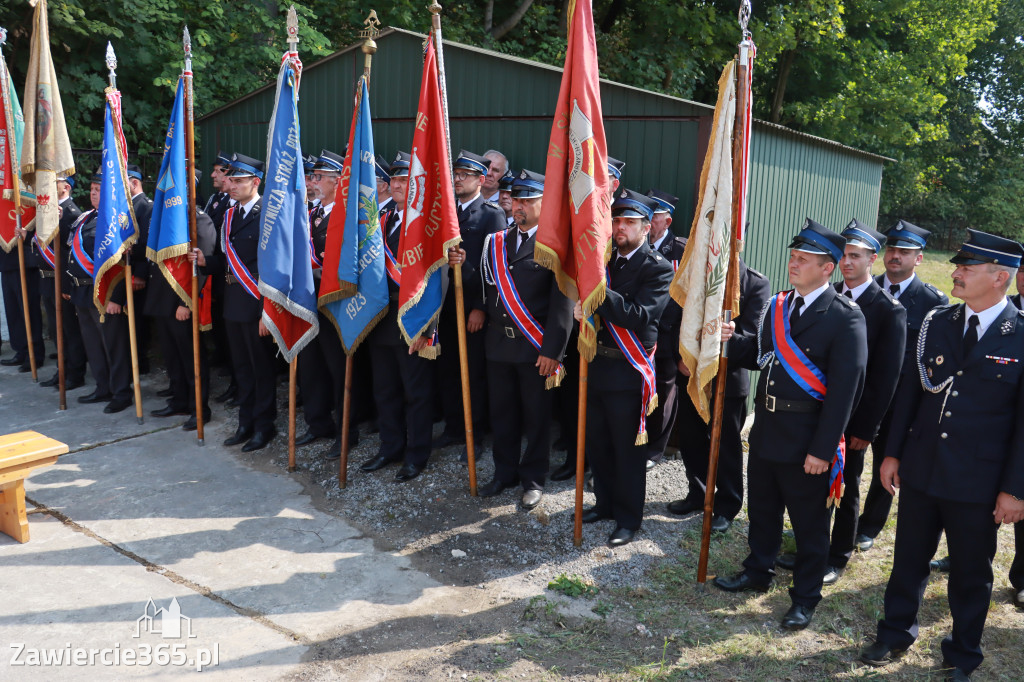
{"x":695,"y":433}
{"x":252,"y":349}
{"x":312,"y":191}
{"x":505,"y":196}
{"x":517,"y":293}
{"x":904,"y":251}
{"x":74,"y":350}
{"x":384,"y":201}
{"x":666,"y":356}
{"x":10,"y":282}
{"x":142,"y":206}
{"x":477,"y":219}
{"x":617,"y":398}
{"x":1017,"y":567}
{"x":216,"y":206}
{"x":322,"y":361}
{"x":798,"y":424}
{"x":956,"y":453}
{"x":403,"y":382}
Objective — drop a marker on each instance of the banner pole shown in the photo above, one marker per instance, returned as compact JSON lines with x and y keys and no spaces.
{"x":193,"y":241}
{"x":24,"y":300}
{"x":581,"y":447}
{"x":58,"y":312}
{"x":292,"y":368}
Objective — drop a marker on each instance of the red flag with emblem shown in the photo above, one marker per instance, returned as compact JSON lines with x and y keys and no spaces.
{"x":575,"y":220}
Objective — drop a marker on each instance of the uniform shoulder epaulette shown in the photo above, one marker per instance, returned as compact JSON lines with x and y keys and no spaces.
{"x":755,"y":273}
{"x":848,"y":302}
{"x":1021,"y":313}
{"x":931,"y":286}
{"x":657,"y":256}
{"x":488,"y":202}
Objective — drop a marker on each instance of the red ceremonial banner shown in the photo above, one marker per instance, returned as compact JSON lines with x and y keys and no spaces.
{"x":575,"y":221}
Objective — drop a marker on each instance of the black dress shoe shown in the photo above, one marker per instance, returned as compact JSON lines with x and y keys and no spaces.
{"x":52,"y":382}
{"x":241,"y":435}
{"x":832,"y":575}
{"x":531,"y":498}
{"x":12,"y":361}
{"x":72,"y":384}
{"x":566,"y":471}
{"x":942,"y":565}
{"x":492,"y":488}
{"x":168,"y":411}
{"x":117,"y":405}
{"x":879,"y":654}
{"x":651,"y":464}
{"x":720,"y":524}
{"x":408,"y":472}
{"x":52,"y":356}
{"x":797,"y":618}
{"x":27,"y":367}
{"x":621,"y":536}
{"x":378,"y":462}
{"x":593,"y":515}
{"x":228,"y":394}
{"x":740,"y":582}
{"x":685,"y":507}
{"x":307,"y":438}
{"x":191,"y":425}
{"x":446,"y":439}
{"x":94,"y":397}
{"x":864,"y":543}
{"x":259,"y":440}
{"x":165,"y":393}
{"x":953,"y":673}
{"x":334,"y":452}
{"x":786,"y":561}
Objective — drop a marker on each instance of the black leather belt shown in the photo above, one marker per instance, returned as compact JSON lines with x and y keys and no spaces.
{"x":46,"y":274}
{"x":510,"y":332}
{"x":230,"y":279}
{"x":774,"y":404}
{"x":607,"y":352}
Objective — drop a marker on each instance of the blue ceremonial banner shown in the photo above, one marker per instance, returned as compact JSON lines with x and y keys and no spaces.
{"x":354,"y":289}
{"x":116,"y":227}
{"x":168,"y":227}
{"x":285,"y":271}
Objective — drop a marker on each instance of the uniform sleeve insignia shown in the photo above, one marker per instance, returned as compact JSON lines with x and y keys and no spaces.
{"x":1007,"y":327}
{"x":956,"y":313}
{"x":493,"y":205}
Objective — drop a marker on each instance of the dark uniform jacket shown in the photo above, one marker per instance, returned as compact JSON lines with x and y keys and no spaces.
{"x":637,"y":296}
{"x":82,"y":295}
{"x":479,"y":219}
{"x":671,"y":248}
{"x":886,"y":320}
{"x":239,"y":306}
{"x":918,"y":299}
{"x":831,"y":333}
{"x":216,"y":207}
{"x":755,"y":290}
{"x":161,"y":299}
{"x":386,"y":332}
{"x":143,"y":209}
{"x":318,"y":233}
{"x":68,"y":213}
{"x":538,"y":290}
{"x":964,"y":443}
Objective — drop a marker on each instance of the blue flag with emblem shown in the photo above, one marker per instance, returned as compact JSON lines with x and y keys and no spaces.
{"x":285,"y":271}
{"x":354,"y":291}
{"x":116,"y":226}
{"x":168,"y":226}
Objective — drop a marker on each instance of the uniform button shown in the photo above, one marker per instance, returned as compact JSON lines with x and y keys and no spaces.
{"x":771,"y":383}
{"x":776,"y":363}
{"x":945,"y":435}
{"x":955,"y":394}
{"x":999,"y":376}
{"x":949,"y":414}
{"x":960,"y":373}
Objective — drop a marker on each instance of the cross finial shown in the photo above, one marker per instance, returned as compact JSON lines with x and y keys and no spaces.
{"x":293,"y":29}
{"x":187,"y":40}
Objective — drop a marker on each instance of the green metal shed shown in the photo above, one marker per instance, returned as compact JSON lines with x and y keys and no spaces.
{"x":501,"y":102}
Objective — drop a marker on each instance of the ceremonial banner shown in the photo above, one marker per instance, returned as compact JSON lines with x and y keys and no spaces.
{"x":285,"y":271}
{"x":46,"y":152}
{"x":353,"y":285}
{"x":431,"y":223}
{"x":12,"y":195}
{"x":699,"y":283}
{"x":575,"y":221}
{"x":116,"y":226}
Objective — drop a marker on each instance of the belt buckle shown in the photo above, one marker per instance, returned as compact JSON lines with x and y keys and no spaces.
{"x":510,"y":332}
{"x":769,"y":402}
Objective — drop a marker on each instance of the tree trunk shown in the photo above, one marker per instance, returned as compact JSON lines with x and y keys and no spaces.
{"x":780,"y":84}
{"x":489,"y":16}
{"x":563,"y":18}
{"x":499,"y":31}
{"x":614,"y":10}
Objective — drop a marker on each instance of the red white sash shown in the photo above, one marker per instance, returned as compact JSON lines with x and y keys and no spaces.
{"x":238,"y":268}
{"x":314,"y":261}
{"x":509,"y":295}
{"x":46,"y":252}
{"x":82,"y":257}
{"x":391,"y":265}
{"x":643,"y":363}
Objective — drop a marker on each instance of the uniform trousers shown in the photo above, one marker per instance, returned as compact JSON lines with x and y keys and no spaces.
{"x":403,"y":387}
{"x":322,"y":377}
{"x":567,"y":398}
{"x":15,"y":312}
{"x":878,"y":502}
{"x":256,"y":374}
{"x":46,"y":298}
{"x":74,"y":351}
{"x":663,"y":419}
{"x":109,"y":351}
{"x":619,"y":465}
{"x":450,"y":378}
{"x":695,"y":446}
{"x":971,"y":537}
{"x":775,"y":488}
{"x":520,"y":404}
{"x":176,"y":346}
{"x":844,"y":528}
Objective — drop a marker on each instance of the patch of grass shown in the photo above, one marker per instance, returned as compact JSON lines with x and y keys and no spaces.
{"x":572,"y":586}
{"x":602,"y":608}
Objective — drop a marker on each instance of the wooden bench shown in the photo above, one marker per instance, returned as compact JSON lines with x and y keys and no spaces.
{"x":20,"y":454}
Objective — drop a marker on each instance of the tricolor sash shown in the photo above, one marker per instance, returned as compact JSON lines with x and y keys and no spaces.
{"x":314,"y":261}
{"x":509,"y":295}
{"x":809,"y":378}
{"x":238,"y":268}
{"x":391,"y":265}
{"x":643,"y":363}
{"x":46,"y":252}
{"x":81,"y":256}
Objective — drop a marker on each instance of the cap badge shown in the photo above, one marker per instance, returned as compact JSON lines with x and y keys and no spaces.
{"x":939,"y":360}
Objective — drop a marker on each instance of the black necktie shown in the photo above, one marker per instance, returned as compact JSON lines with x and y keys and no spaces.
{"x":620,"y":262}
{"x":798,"y":303}
{"x":523,"y":236}
{"x":971,"y":337}
{"x":894,"y":289}
{"x":848,"y":294}
{"x":459,"y":210}
{"x":241,"y":212}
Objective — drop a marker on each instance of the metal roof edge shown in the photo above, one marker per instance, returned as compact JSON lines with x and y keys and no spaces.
{"x":821,"y":140}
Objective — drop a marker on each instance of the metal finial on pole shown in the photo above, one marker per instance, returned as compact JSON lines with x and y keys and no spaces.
{"x":186,"y":40}
{"x":112,"y":65}
{"x":293,"y":30}
{"x":368,"y":34}
{"x":3,"y":35}
{"x":744,"y":16}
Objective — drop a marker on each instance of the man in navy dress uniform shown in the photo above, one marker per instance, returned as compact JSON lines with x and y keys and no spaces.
{"x":904,"y":251}
{"x":528,"y":322}
{"x":956,"y":453}
{"x":810,"y":381}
